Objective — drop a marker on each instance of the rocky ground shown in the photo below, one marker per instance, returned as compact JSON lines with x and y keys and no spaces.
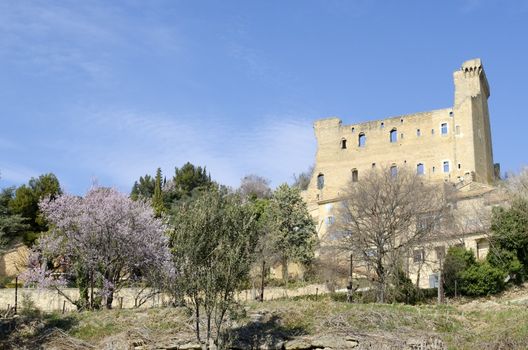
{"x":303,"y":323}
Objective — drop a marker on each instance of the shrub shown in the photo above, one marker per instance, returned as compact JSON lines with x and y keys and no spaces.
{"x":482,"y":279}
{"x":507,"y":262}
{"x":457,"y":260}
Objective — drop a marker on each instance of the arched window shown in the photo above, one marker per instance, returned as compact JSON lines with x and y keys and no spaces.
{"x":362,"y":140}
{"x":394,"y":170}
{"x":382,"y":125}
{"x":418,"y":132}
{"x":320,"y":181}
{"x":394,"y":135}
{"x":443,"y":128}
{"x":446,"y":166}
{"x":420,"y":170}
{"x":343,"y":144}
{"x":354,"y":175}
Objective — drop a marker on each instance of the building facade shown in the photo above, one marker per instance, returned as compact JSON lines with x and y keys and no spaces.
{"x":446,"y":145}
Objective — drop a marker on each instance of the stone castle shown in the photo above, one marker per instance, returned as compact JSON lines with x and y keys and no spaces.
{"x":451,"y":145}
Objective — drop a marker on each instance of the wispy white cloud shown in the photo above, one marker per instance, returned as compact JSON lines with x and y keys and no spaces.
{"x":123,"y":145}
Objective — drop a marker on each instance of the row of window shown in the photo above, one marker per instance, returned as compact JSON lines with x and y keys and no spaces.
{"x":420,"y":170}
{"x":393,"y":135}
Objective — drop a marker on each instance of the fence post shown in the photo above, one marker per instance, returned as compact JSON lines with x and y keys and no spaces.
{"x":63,"y":306}
{"x":16,"y":294}
{"x":120,"y":302}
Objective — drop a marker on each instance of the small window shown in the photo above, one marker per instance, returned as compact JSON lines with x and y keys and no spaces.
{"x":353,"y":130}
{"x":433,"y":280}
{"x":418,"y":255}
{"x":443,"y":128}
{"x":373,"y":165}
{"x":401,"y":135}
{"x":320,"y":181}
{"x":343,"y":144}
{"x":459,"y":166}
{"x":446,"y":166}
{"x":420,"y":170}
{"x":440,"y":252}
{"x":418,"y":132}
{"x":451,"y":114}
{"x":434,"y":169}
{"x":401,"y":120}
{"x":362,"y":140}
{"x":432,"y":131}
{"x":394,"y":171}
{"x":382,"y":125}
{"x":457,"y":129}
{"x":330,"y":220}
{"x":354,"y":175}
{"x":394,"y":136}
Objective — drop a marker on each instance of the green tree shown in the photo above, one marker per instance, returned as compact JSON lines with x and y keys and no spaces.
{"x":212,"y":242}
{"x":144,"y":188}
{"x":293,"y":237}
{"x":509,"y":228}
{"x":26,"y":202}
{"x":157,"y":198}
{"x":457,"y":260}
{"x":11,"y":225}
{"x":190,"y":178}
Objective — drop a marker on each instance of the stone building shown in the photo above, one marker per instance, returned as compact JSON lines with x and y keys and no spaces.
{"x":447,"y":145}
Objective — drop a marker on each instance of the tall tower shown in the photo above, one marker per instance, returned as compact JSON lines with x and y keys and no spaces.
{"x":473,"y":148}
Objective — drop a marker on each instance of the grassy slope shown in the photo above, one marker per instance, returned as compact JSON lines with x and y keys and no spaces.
{"x":482,"y":325}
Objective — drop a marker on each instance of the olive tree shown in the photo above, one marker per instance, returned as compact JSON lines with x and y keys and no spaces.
{"x":212,"y":240}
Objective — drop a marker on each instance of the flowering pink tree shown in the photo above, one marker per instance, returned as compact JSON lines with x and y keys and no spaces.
{"x":103,"y":240}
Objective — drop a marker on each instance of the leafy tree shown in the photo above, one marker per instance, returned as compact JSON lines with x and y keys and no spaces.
{"x":27,"y":197}
{"x":104,"y":238}
{"x":293,"y":235}
{"x":384,"y":215}
{"x":482,"y":279}
{"x":190,"y":178}
{"x":212,"y":242}
{"x":11,"y":225}
{"x":509,"y":228}
{"x":457,"y":260}
{"x":144,"y":188}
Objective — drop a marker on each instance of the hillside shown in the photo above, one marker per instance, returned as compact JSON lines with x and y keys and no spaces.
{"x":302,"y":323}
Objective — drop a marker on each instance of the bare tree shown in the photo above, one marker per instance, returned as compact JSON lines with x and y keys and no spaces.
{"x":254,"y":186}
{"x":384,"y":215}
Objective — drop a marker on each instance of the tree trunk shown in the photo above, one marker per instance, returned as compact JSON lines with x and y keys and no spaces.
{"x":285,"y":270}
{"x":110,"y":299}
{"x":197,"y":320}
{"x":262,"y":278}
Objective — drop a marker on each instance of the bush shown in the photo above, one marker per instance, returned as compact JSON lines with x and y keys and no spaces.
{"x":457,"y":260}
{"x":507,"y":262}
{"x":482,"y":279}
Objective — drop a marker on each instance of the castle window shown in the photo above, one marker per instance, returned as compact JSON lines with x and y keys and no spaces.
{"x":457,"y":129}
{"x":373,"y":165}
{"x":418,"y":132}
{"x":459,"y":165}
{"x":420,"y":170}
{"x":434,"y":168}
{"x":401,"y":120}
{"x":382,"y":125}
{"x":353,"y":129}
{"x":446,"y":166}
{"x":362,"y":139}
{"x":401,"y":135}
{"x":418,"y":255}
{"x":443,"y":128}
{"x":354,"y":175}
{"x":320,"y":181}
{"x":394,"y":171}
{"x":432,"y":131}
{"x":451,"y":114}
{"x":343,"y":144}
{"x":394,"y":135}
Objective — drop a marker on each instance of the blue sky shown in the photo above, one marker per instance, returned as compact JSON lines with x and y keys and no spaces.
{"x":110,"y":90}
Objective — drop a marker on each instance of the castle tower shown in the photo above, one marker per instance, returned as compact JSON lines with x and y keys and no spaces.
{"x":473,"y":146}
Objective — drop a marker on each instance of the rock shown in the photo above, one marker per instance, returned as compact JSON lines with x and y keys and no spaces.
{"x":298,"y":344}
{"x":190,"y":346}
{"x":334,"y":342}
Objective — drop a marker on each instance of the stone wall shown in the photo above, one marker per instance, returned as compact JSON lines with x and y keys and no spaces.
{"x":50,"y":300}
